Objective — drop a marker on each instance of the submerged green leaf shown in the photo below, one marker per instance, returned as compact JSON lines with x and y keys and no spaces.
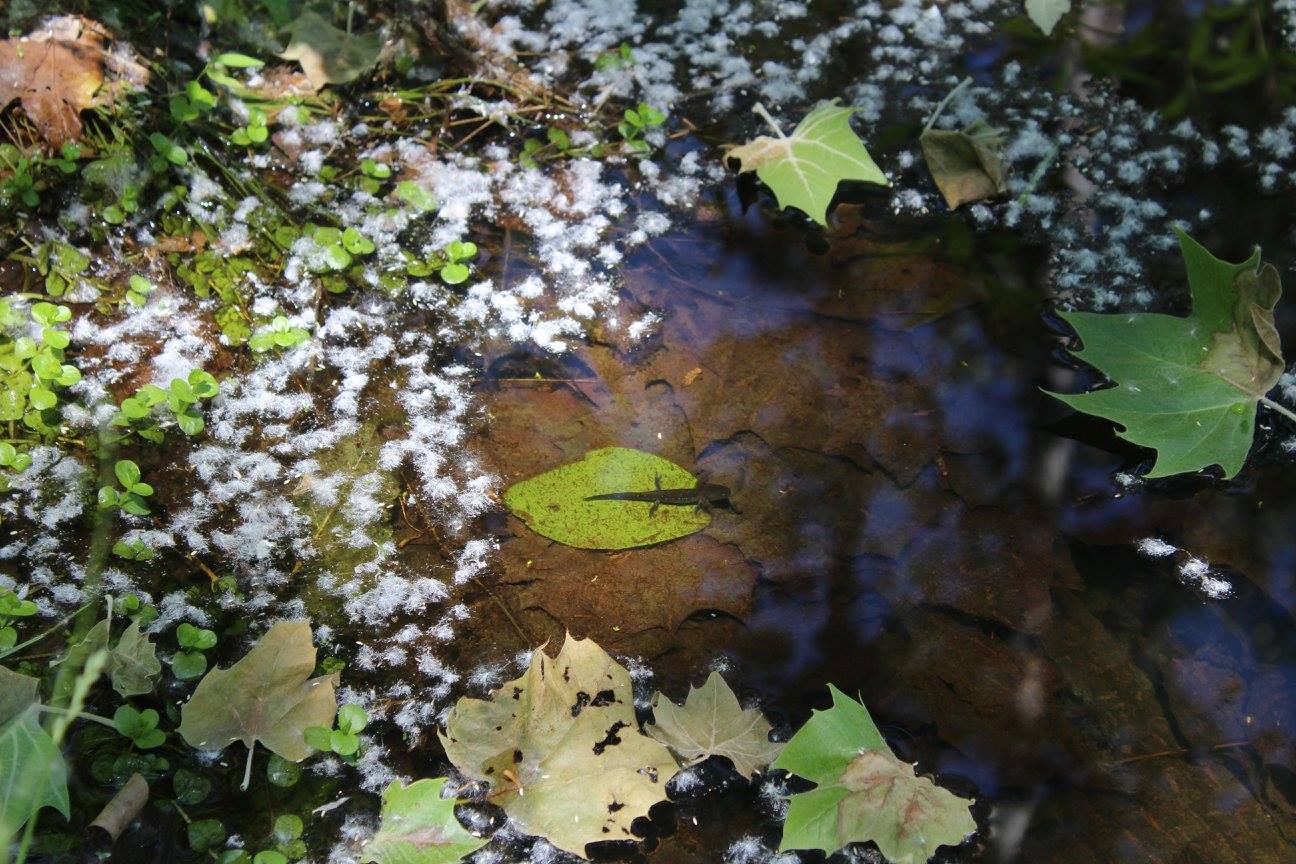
{"x":419,"y":827}
{"x":1188,"y":386}
{"x":863,"y":792}
{"x":267,"y":696}
{"x":804,"y":168}
{"x":562,"y":748}
{"x":554,"y":503}
{"x":711,"y":722}
{"x":327,"y":54}
{"x":133,"y":664}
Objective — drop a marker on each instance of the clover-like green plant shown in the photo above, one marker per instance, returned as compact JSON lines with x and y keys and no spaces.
{"x":135,"y":550}
{"x":60,"y":264}
{"x":637,"y":121}
{"x":137,"y":610}
{"x":415,"y":196}
{"x":141,"y":727}
{"x":167,"y":152}
{"x":277,"y":334}
{"x":621,"y":57}
{"x":344,"y":738}
{"x":454,"y":270}
{"x":137,"y":289}
{"x":190,"y":661}
{"x":32,"y":369}
{"x":12,"y":607}
{"x":372,"y":175}
{"x":254,"y":133}
{"x":130,"y":497}
{"x":14,"y":459}
{"x":196,"y":101}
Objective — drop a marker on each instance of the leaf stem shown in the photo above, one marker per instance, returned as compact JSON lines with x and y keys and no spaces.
{"x":39,"y":636}
{"x":759,"y":110}
{"x":247,"y":772}
{"x":1281,"y":409}
{"x":931,"y":121}
{"x":63,"y":712}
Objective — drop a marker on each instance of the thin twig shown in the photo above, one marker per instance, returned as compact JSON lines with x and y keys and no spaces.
{"x":941,"y":107}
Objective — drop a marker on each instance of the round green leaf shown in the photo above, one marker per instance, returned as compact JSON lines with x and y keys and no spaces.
{"x":554,"y":504}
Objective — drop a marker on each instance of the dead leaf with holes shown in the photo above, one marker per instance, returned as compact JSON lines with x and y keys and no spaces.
{"x":68,"y":65}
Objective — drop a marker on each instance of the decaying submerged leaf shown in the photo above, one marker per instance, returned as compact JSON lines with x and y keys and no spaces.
{"x":1188,"y":386}
{"x":554,"y":504}
{"x":965,"y":164}
{"x":328,"y":55}
{"x":804,"y":168}
{"x":63,"y":68}
{"x":267,"y":696}
{"x":32,"y":770}
{"x":419,"y":827}
{"x":711,"y":722}
{"x":562,"y":748}
{"x":133,"y":664}
{"x":863,"y":792}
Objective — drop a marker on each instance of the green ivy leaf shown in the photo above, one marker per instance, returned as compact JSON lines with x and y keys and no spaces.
{"x":1188,"y":387}
{"x":419,"y":827}
{"x":863,"y":792}
{"x":804,"y":168}
{"x":554,"y":503}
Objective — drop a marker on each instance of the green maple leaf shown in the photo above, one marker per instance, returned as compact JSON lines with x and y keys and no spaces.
{"x":863,"y":792}
{"x":804,"y":168}
{"x":419,"y":827}
{"x":1188,"y":386}
{"x":711,"y":722}
{"x":562,"y":748}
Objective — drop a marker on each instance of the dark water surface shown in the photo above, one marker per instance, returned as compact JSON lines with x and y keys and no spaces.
{"x":921,"y":526}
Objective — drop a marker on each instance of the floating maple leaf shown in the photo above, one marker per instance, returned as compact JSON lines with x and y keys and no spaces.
{"x":804,"y":168}
{"x":563,"y":749}
{"x":711,"y":722}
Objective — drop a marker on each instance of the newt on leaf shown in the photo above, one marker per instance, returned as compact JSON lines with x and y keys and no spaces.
{"x":702,"y":496}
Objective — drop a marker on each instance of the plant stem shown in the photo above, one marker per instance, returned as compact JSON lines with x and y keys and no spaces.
{"x":931,"y":121}
{"x":63,"y":712}
{"x":1281,"y":409}
{"x":759,"y":110}
{"x":247,"y":772}
{"x":39,"y":636}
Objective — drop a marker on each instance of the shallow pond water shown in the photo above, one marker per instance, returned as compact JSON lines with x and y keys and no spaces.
{"x":920,"y":525}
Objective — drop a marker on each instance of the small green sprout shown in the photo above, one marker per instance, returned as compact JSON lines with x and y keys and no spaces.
{"x":137,"y":289}
{"x":20,"y":185}
{"x":30,"y":371}
{"x":454,"y":270}
{"x":13,"y":458}
{"x":135,"y":550}
{"x":344,"y":739}
{"x":278,"y":334}
{"x":167,"y":152}
{"x":130,"y":497}
{"x":139,"y":726}
{"x":142,"y":613}
{"x":620,"y":58}
{"x":637,"y":121}
{"x":190,"y":662}
{"x":60,"y":264}
{"x":11,"y":607}
{"x":374,"y":173}
{"x":254,"y":133}
{"x":195,"y":102}
{"x":415,"y":196}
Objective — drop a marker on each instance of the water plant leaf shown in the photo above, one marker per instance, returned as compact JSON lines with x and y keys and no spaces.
{"x":712,"y":722}
{"x":863,"y":792}
{"x":1188,"y":386}
{"x":328,"y":55}
{"x":562,"y":748}
{"x":965,"y":164}
{"x":1047,"y":13}
{"x":553,"y":504}
{"x":58,"y":70}
{"x":804,"y":168}
{"x":419,"y":827}
{"x":32,"y":771}
{"x":267,"y":696}
{"x":133,"y":664}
